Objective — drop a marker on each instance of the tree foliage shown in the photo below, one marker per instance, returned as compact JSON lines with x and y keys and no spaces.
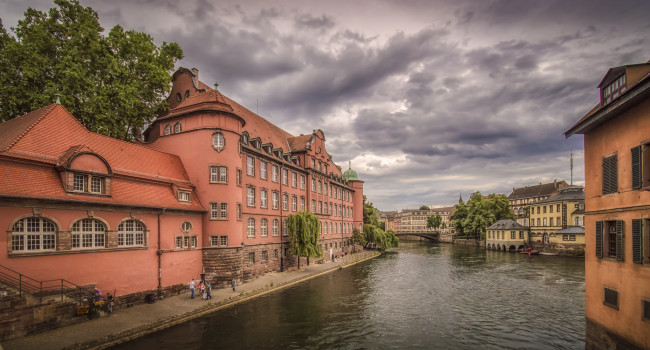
{"x":369,"y":213}
{"x":425,"y":207}
{"x":434,"y":221}
{"x":304,"y":233}
{"x":385,"y":240}
{"x":358,"y":237}
{"x":114,"y":84}
{"x":479,"y":213}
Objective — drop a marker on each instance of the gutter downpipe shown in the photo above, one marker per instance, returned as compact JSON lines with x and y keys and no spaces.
{"x":159,"y":253}
{"x":280,"y":196}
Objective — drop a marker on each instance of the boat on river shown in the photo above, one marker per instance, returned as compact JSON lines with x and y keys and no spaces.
{"x":529,"y":252}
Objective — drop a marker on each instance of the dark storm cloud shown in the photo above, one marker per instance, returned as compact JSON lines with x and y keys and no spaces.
{"x":307,"y":21}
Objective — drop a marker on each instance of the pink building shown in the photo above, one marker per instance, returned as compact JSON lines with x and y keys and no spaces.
{"x":207,"y":193}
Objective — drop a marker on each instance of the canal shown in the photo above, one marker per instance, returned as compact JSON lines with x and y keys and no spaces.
{"x":418,"y":296}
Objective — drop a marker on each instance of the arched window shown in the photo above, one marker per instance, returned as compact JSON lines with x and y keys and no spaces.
{"x":276,"y":227}
{"x":33,"y":234}
{"x":251,"y":227}
{"x":88,"y":233}
{"x":130,"y":233}
{"x":167,"y":130}
{"x":218,"y":141}
{"x":177,"y":127}
{"x":264,"y":228}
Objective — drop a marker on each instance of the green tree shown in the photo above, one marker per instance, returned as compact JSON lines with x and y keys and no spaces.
{"x":479,"y":213}
{"x":434,"y":221}
{"x":304,"y":233}
{"x":458,"y":218}
{"x":385,"y":240}
{"x":115,"y":84}
{"x":425,"y":207}
{"x":369,"y":213}
{"x":358,"y":237}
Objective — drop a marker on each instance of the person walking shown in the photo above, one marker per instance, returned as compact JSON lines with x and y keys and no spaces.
{"x":203,"y":295}
{"x":192,"y":288}
{"x":208,"y":289}
{"x":233,"y":284}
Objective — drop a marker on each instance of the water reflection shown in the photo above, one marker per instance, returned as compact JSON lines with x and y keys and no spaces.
{"x":420,"y":296}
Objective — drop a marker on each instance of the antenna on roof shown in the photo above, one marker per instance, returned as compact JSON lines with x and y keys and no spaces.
{"x":571,"y":165}
{"x":58,"y":98}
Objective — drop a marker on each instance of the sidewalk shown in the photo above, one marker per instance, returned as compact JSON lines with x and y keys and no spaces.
{"x":129,"y":323}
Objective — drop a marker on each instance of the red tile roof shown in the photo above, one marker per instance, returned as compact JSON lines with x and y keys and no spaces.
{"x":142,"y":176}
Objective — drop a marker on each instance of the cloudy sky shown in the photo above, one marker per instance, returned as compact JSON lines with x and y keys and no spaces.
{"x":427,"y":99}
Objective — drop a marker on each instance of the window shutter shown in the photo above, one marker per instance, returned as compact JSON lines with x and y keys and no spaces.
{"x":637,"y":244}
{"x":610,"y":180}
{"x":637,"y":179}
{"x":620,"y":247}
{"x":599,"y":239}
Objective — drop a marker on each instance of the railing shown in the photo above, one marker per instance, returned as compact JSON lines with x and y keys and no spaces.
{"x":40,"y":289}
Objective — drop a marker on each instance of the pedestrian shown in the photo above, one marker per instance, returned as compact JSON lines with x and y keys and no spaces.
{"x":208,"y":289}
{"x":203,"y":295}
{"x":233,"y":284}
{"x":192,"y":288}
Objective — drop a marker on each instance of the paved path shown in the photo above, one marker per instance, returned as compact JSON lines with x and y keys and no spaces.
{"x":129,"y":323}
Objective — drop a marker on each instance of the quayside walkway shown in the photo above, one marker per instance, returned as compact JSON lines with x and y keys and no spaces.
{"x":129,"y":323}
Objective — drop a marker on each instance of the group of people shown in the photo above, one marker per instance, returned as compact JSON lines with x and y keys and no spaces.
{"x":109,"y":300}
{"x":204,"y":287}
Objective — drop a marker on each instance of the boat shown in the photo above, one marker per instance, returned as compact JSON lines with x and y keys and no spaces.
{"x":529,"y":252}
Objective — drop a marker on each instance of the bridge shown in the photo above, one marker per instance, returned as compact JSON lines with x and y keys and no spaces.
{"x":432,"y":236}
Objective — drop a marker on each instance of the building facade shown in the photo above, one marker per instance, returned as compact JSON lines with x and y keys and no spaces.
{"x":521,"y":198}
{"x":205,"y":195}
{"x":415,"y":220}
{"x":617,"y":210}
{"x":506,"y":235}
{"x":559,"y":212}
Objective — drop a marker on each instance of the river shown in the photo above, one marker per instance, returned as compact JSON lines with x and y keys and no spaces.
{"x":418,"y":296}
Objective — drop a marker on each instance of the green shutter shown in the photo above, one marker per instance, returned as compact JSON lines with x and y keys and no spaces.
{"x":599,"y":239}
{"x":620,"y":247}
{"x":637,"y":241}
{"x":637,"y":179}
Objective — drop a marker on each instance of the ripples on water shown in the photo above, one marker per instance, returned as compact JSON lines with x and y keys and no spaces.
{"x":419,"y":296}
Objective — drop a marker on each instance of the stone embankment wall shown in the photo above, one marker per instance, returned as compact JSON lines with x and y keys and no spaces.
{"x":18,"y":319}
{"x":577,"y":250}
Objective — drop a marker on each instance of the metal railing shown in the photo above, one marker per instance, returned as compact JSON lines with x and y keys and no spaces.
{"x":40,"y":289}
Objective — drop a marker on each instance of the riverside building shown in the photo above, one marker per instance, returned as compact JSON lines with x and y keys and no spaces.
{"x":617,"y":210}
{"x":205,"y":195}
{"x":522,"y":197}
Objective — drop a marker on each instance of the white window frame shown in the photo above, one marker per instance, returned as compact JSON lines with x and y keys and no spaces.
{"x":131,"y":233}
{"x":250,"y":227}
{"x":33,"y":234}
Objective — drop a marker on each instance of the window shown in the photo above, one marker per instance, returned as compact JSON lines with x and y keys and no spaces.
{"x":275,"y":173}
{"x":263,"y":170}
{"x":238,"y":211}
{"x":313,"y":205}
{"x":275,"y":254}
{"x":285,"y":231}
{"x":167,"y":130}
{"x":275,"y":200}
{"x":223,"y":240}
{"x":568,"y":237}
{"x":521,"y":234}
{"x":276,"y":227}
{"x":313,"y":185}
{"x":177,"y":127}
{"x":609,"y":239}
{"x":285,"y":202}
{"x":614,"y":89}
{"x":550,"y":221}
{"x":320,"y":186}
{"x":610,"y":298}
{"x":186,"y":226}
{"x":320,"y":207}
{"x":250,"y":196}
{"x":264,"y":228}
{"x":265,"y":255}
{"x":294,"y":203}
{"x":214,"y":241}
{"x":550,"y":208}
{"x":251,"y":227}
{"x":640,"y":167}
{"x":218,"y":141}
{"x":218,"y":211}
{"x":238,"y":177}
{"x":512,"y":235}
{"x":88,"y":183}
{"x":544,"y":222}
{"x":640,"y":241}
{"x":33,"y":234}
{"x":544,"y":210}
{"x":294,"y":179}
{"x":263,"y":198}
{"x":250,"y":166}
{"x":218,"y":174}
{"x":302,"y":182}
{"x":285,"y":177}
{"x":325,"y":208}
{"x":251,"y":257}
{"x":130,"y":233}
{"x":183,"y":196}
{"x":179,"y":242}
{"x":302,"y":203}
{"x":195,"y":241}
{"x":610,"y":179}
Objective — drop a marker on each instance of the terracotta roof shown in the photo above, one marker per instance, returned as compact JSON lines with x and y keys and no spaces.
{"x":52,"y":135}
{"x":536,"y":190}
{"x":299,"y":143}
{"x":570,"y":193}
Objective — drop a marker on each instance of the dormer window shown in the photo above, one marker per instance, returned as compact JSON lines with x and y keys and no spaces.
{"x":177,"y":128}
{"x":614,"y":89}
{"x":167,"y":130}
{"x":244,"y":138}
{"x":88,"y":183}
{"x":183,"y":196}
{"x":218,"y":141}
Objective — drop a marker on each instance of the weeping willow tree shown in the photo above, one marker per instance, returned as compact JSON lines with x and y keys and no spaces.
{"x":385,"y":239}
{"x":304,"y":233}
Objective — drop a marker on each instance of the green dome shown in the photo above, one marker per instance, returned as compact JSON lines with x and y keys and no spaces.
{"x":350,"y":174}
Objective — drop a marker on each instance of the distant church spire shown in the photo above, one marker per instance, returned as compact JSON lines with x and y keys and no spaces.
{"x":460,"y":198}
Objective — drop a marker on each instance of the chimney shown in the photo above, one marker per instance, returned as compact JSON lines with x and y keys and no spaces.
{"x":196,"y":73}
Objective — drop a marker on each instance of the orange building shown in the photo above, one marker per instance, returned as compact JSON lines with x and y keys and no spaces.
{"x":617,"y":210}
{"x":207,"y":193}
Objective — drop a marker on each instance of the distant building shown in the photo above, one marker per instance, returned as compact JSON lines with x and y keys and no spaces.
{"x":617,"y":226}
{"x":388,"y":218}
{"x":558,"y":212}
{"x":506,"y":235}
{"x":415,"y":220}
{"x":522,"y":197}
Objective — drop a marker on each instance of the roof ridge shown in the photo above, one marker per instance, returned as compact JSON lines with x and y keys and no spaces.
{"x":46,"y":111}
